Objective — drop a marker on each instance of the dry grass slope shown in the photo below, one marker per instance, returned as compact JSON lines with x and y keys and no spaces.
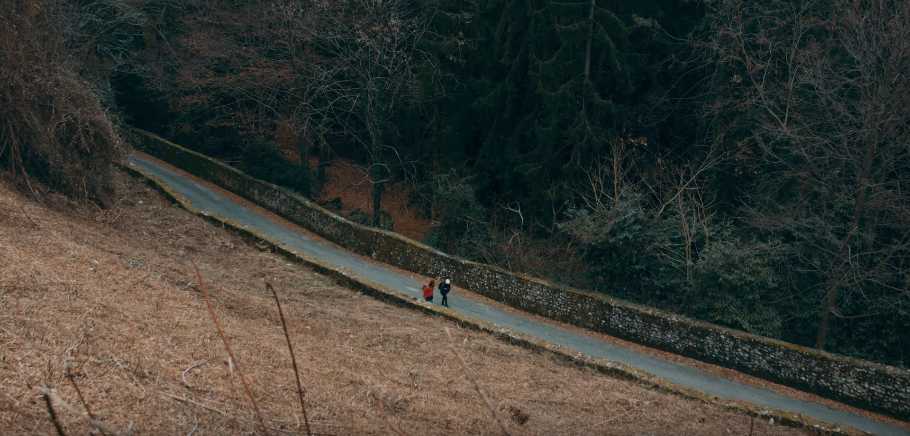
{"x":113,"y":297}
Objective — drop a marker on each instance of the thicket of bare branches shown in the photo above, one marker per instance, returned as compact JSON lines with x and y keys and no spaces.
{"x":822,"y":92}
{"x":370,"y":46}
{"x":55,"y":123}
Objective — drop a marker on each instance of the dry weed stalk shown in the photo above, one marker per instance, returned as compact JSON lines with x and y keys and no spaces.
{"x":227,"y":346}
{"x":46,"y":393}
{"x":387,"y":420}
{"x":233,"y":416}
{"x":50,"y":397}
{"x":29,"y":218}
{"x":620,"y":415}
{"x":467,"y":372}
{"x":72,"y":380}
{"x":287,"y":336}
{"x":751,"y":422}
{"x":8,"y":332}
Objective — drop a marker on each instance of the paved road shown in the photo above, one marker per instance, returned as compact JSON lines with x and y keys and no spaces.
{"x":208,"y":200}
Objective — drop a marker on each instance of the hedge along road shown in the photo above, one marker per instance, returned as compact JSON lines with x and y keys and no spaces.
{"x":208,"y":200}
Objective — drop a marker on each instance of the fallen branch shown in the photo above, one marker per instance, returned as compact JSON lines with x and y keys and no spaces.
{"x":387,"y":420}
{"x":29,"y":218}
{"x":234,"y":416}
{"x":287,"y":336}
{"x":751,"y":421}
{"x":194,"y":427}
{"x":72,"y":379}
{"x":183,"y":375}
{"x":51,"y":396}
{"x":8,"y":332}
{"x":620,"y":415}
{"x":467,"y":371}
{"x":227,"y":346}
{"x":46,"y":393}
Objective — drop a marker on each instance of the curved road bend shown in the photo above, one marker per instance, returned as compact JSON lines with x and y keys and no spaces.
{"x":208,"y":200}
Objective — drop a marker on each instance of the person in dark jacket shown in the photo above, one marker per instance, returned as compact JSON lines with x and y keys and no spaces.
{"x":428,"y":291}
{"x":444,"y":289}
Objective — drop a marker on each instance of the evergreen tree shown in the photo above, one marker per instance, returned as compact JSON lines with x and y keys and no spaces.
{"x":555,"y":96}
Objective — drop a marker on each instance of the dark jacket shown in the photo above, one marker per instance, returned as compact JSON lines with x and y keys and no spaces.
{"x":444,"y":288}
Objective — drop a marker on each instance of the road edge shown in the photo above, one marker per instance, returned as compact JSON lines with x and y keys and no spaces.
{"x":365,"y":286}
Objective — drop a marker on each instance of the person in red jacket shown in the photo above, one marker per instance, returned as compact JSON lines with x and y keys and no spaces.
{"x":428,"y":291}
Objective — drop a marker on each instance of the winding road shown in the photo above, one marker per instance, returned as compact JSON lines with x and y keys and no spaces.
{"x":211,"y":201}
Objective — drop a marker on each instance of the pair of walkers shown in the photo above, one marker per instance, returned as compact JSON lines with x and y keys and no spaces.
{"x":444,"y":288}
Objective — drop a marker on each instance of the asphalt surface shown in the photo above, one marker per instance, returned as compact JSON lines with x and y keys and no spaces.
{"x":208,"y":200}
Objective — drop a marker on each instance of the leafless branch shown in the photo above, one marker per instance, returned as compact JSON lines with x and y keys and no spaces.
{"x":227,"y":347}
{"x":50,"y":396}
{"x":387,"y":420}
{"x":470,"y":376}
{"x":46,"y":393}
{"x":287,"y":336}
{"x":72,"y":380}
{"x":183,"y":374}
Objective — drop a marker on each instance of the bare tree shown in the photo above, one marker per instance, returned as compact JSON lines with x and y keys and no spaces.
{"x":371,"y":47}
{"x":218,"y":69}
{"x":103,"y":33}
{"x":833,"y":110}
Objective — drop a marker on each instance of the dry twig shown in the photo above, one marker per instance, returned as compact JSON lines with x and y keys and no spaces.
{"x":46,"y":393}
{"x":183,"y":375}
{"x":72,"y":379}
{"x":234,"y":416}
{"x":751,"y":421}
{"x":29,"y":218}
{"x":227,"y":346}
{"x":620,"y":415}
{"x":287,"y":336}
{"x":467,"y":372}
{"x":8,"y":332}
{"x":194,"y":427}
{"x":49,"y":396}
{"x":387,"y":420}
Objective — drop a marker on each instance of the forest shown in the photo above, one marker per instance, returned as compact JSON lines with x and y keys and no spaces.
{"x":740,"y":162}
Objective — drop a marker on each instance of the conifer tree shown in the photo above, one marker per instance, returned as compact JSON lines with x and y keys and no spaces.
{"x":562,"y":70}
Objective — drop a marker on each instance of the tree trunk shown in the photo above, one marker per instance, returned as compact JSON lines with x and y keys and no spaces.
{"x":304,"y":165}
{"x":826,"y":316}
{"x":323,"y":158}
{"x":843,"y":253}
{"x":377,"y":184}
{"x":433,"y":193}
{"x":433,"y":176}
{"x":590,"y":41}
{"x":374,"y":118}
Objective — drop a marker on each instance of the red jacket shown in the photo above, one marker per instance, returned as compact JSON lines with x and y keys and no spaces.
{"x":427,"y":291}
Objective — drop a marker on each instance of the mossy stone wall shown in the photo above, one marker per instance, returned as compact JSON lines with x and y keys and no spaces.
{"x":861,"y":383}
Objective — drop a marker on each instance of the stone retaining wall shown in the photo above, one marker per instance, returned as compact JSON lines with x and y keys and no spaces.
{"x":861,"y":383}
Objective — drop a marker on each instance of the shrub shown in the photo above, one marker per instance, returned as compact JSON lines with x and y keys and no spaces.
{"x":54,"y":125}
{"x":461,"y":225}
{"x":641,"y":257}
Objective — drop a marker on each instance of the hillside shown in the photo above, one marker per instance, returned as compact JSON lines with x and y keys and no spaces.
{"x":344,"y":187}
{"x":110,"y":294}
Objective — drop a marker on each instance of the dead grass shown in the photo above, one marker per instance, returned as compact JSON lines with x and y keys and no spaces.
{"x":351,"y":184}
{"x":114,"y":296}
